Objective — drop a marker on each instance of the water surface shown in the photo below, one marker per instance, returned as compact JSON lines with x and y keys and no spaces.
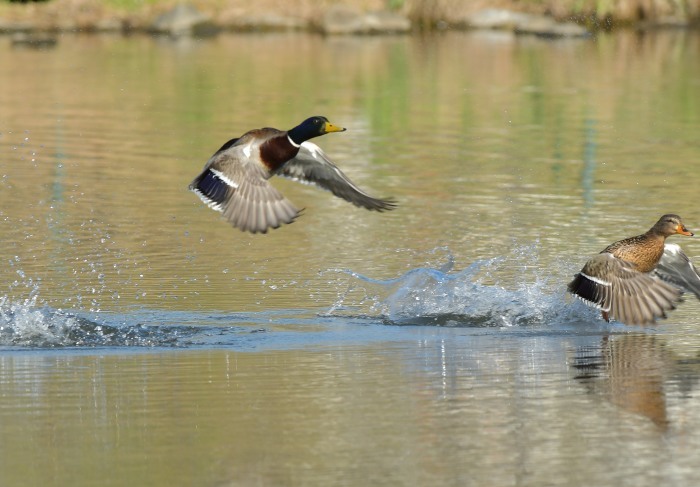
{"x":145,"y":342}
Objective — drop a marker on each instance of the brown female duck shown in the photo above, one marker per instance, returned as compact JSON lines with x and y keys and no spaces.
{"x":638,"y":279}
{"x":235,"y":179}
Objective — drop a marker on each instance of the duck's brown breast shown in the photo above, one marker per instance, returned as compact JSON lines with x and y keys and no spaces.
{"x":644,"y":251}
{"x":276,"y":151}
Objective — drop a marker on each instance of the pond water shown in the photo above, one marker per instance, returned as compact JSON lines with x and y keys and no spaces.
{"x":143,"y":341}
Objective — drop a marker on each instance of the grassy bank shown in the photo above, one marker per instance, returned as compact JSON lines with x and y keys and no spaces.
{"x":423,"y":13}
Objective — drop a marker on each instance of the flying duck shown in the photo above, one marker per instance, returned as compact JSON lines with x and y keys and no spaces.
{"x":235,"y":179}
{"x":639,"y":279}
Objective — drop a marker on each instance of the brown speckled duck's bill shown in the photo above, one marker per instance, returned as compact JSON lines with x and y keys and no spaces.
{"x":684,"y":231}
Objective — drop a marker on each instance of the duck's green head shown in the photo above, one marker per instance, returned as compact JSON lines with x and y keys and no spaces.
{"x":312,"y":127}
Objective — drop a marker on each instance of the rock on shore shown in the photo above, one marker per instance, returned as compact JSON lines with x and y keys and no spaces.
{"x":343,"y":19}
{"x":523,"y":23}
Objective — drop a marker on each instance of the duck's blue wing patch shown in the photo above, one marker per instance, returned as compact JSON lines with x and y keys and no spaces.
{"x":212,"y":188}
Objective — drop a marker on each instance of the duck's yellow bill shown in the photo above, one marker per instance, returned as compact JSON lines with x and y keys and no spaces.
{"x":329,"y":127}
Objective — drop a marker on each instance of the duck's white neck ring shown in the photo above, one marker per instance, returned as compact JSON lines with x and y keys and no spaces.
{"x":292,"y":142}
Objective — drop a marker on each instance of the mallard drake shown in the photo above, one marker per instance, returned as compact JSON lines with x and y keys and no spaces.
{"x":639,"y":279}
{"x":235,"y":179}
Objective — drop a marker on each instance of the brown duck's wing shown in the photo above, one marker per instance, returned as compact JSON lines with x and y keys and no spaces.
{"x":237,"y":186}
{"x":675,"y":267}
{"x":311,"y":165}
{"x":616,"y":287}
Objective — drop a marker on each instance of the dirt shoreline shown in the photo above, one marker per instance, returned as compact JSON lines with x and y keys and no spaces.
{"x":310,"y":15}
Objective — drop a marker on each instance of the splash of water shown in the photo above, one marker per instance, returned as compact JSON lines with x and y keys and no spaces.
{"x":28,"y":323}
{"x":435,"y":295}
{"x":23,"y":322}
{"x":442,"y":297}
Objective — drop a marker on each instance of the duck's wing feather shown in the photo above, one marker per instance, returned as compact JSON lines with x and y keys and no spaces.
{"x":616,"y":287}
{"x":312,"y":165}
{"x":675,"y":267}
{"x":238,"y":188}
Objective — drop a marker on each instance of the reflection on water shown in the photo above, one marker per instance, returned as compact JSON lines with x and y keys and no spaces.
{"x":483,"y":150}
{"x":436,"y":406}
{"x":628,"y":371}
{"x":142,"y":335}
{"x":635,"y":373}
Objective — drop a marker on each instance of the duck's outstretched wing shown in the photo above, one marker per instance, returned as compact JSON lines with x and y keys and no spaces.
{"x":675,"y":267}
{"x":312,"y":165}
{"x":617,"y":288}
{"x":238,"y":188}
